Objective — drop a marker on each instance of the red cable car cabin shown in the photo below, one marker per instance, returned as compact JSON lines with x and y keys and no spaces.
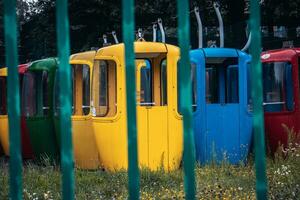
{"x":25,"y":140}
{"x":281,"y":70}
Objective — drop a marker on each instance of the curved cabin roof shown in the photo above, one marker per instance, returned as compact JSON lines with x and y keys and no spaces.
{"x":221,"y":52}
{"x":279,"y":54}
{"x":218,"y":55}
{"x":152,"y":49}
{"x":88,"y":56}
{"x":47,"y":64}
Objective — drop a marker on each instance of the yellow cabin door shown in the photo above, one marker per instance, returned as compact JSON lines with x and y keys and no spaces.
{"x":158,"y":137}
{"x":84,"y":145}
{"x":142,"y":119}
{"x":158,"y":117}
{"x":151,"y":117}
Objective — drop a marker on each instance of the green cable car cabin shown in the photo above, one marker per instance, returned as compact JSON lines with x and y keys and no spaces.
{"x":37,"y":107}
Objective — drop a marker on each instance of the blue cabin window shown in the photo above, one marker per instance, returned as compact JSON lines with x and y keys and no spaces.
{"x":278,"y":87}
{"x":3,"y":90}
{"x":222,"y":80}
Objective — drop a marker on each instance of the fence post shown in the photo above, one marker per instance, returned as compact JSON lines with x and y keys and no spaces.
{"x":13,"y":99}
{"x":258,"y":115}
{"x":185,"y":83}
{"x":63,"y":48}
{"x":128,"y":37}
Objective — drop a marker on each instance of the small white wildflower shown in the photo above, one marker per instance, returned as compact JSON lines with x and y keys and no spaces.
{"x":240,"y":188}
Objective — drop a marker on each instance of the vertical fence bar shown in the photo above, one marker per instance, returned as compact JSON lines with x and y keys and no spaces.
{"x":13,"y":99}
{"x":186,"y":98}
{"x":63,"y":48}
{"x":258,"y":116}
{"x":128,"y":37}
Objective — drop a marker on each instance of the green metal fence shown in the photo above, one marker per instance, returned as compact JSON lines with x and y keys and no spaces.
{"x":11,"y":55}
{"x":63,"y":46}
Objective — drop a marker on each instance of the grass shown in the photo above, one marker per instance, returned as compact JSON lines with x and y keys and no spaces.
{"x":213,"y":181}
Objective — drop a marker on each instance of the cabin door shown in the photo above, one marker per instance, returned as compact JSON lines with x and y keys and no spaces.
{"x":152,"y":112}
{"x":278,"y":103}
{"x":222,"y":109}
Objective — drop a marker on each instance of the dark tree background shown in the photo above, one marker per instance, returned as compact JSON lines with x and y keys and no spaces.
{"x":90,"y":19}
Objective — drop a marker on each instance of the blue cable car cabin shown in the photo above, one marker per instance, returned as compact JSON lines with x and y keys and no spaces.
{"x":221,"y":105}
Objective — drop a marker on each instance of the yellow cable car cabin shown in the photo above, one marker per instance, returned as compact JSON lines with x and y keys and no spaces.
{"x":3,"y":111}
{"x":84,"y":145}
{"x":159,"y":126}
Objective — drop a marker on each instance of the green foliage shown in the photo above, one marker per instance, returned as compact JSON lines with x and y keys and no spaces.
{"x":92,"y":18}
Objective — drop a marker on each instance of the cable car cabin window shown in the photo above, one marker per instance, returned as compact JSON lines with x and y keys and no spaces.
{"x":80,"y":89}
{"x":222,"y":80}
{"x":249,"y":97}
{"x":144,"y":94}
{"x":194,"y":86}
{"x":104,"y":93}
{"x":35,"y":94}
{"x":21,"y":85}
{"x":3,"y":92}
{"x":56,"y":94}
{"x":152,"y":89}
{"x":45,"y":94}
{"x":299,"y":72}
{"x":163,"y":83}
{"x":278,"y":87}
{"x":86,"y":90}
{"x":29,"y":95}
{"x":73,"y":89}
